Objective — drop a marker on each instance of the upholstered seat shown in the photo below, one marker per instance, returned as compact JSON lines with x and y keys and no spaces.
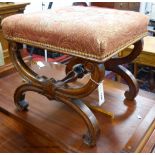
{"x":88,"y":32}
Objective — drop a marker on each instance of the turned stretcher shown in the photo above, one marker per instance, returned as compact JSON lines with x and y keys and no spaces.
{"x":93,"y":36}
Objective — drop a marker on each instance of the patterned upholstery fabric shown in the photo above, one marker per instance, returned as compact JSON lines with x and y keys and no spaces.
{"x":88,"y":32}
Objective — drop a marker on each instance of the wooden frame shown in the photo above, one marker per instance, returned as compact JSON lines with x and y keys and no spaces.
{"x":76,"y":68}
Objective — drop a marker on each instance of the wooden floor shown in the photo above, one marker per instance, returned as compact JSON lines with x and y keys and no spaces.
{"x":17,"y":138}
{"x":50,"y":126}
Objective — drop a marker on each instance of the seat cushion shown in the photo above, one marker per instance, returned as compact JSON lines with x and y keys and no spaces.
{"x":88,"y":32}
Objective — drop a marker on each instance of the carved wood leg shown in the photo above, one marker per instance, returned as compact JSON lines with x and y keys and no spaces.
{"x":115,"y":65}
{"x":100,"y":73}
{"x":53,"y":89}
{"x":19,"y":95}
{"x":87,"y":116}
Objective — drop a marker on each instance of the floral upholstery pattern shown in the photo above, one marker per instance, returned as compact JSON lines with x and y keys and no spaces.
{"x":88,"y":32}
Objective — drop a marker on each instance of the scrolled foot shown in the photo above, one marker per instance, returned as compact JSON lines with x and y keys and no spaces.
{"x":21,"y":103}
{"x":19,"y":95}
{"x":88,"y":140}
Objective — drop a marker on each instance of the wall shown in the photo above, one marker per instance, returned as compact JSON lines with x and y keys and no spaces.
{"x":145,"y":7}
{"x":148,"y":8}
{"x":38,"y":6}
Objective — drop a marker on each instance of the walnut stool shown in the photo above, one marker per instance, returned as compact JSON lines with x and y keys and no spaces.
{"x":93,"y":36}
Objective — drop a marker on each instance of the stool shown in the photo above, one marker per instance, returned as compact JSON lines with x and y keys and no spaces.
{"x":93,"y":36}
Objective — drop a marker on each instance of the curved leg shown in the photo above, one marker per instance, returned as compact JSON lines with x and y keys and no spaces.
{"x":101,"y":70}
{"x":52,"y":90}
{"x":19,"y":95}
{"x":87,"y":116}
{"x":40,"y":84}
{"x":77,"y":105}
{"x":130,"y":79}
{"x":114,"y":65}
{"x":29,"y":75}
